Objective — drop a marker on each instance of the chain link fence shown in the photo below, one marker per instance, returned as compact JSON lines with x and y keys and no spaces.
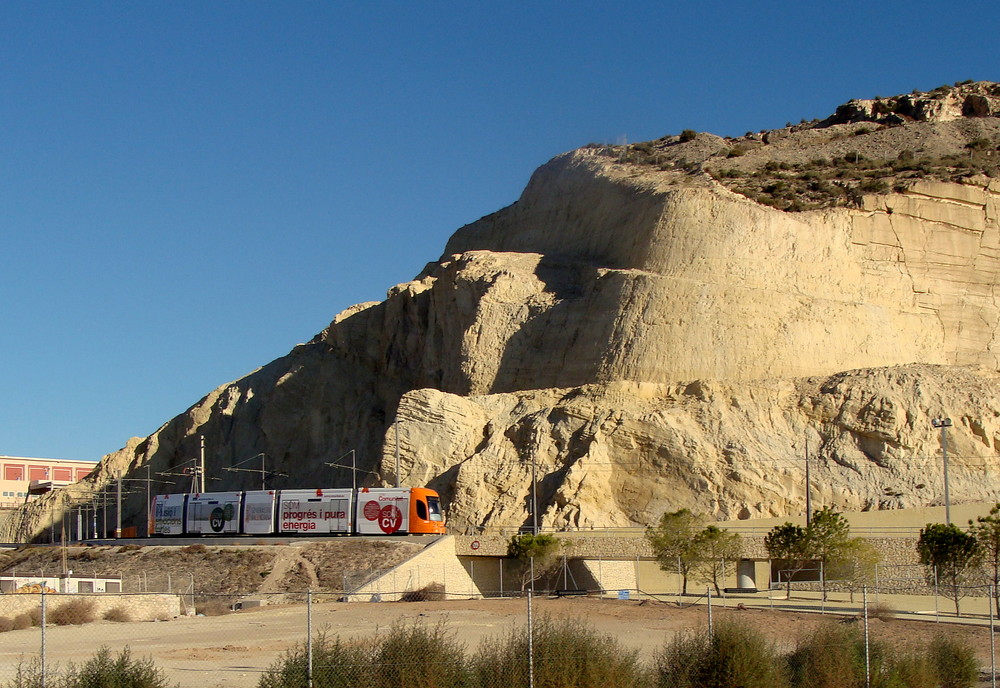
{"x":307,"y":639}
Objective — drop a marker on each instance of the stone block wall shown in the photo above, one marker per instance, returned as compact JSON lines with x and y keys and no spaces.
{"x":138,"y":607}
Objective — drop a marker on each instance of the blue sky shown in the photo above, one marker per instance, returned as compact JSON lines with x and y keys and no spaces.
{"x":189,"y":189}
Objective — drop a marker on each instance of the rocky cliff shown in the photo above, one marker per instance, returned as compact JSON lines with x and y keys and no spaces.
{"x":667,"y":324}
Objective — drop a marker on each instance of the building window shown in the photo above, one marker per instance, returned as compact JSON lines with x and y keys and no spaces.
{"x":38,"y":473}
{"x":13,"y":472}
{"x":62,"y":473}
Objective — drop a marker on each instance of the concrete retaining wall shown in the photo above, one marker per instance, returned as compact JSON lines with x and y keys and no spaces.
{"x":436,"y":565}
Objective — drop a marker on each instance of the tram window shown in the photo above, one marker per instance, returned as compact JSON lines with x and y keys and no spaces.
{"x":435,"y":508}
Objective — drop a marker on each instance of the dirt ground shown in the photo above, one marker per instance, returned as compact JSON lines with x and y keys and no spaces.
{"x":234,"y":649}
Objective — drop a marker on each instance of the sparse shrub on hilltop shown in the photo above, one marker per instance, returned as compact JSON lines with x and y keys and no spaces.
{"x":775,"y":168}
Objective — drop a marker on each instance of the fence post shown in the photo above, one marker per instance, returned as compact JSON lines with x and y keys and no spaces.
{"x":708,"y":589}
{"x":876,"y":583}
{"x":722,"y":563}
{"x":638,"y":588}
{"x":993,"y":645}
{"x":680,"y":579}
{"x":868,"y":666}
{"x":937,"y":612}
{"x":770,"y":600}
{"x":43,"y":677}
{"x":309,"y":638}
{"x":822,"y":585}
{"x":531,"y":629}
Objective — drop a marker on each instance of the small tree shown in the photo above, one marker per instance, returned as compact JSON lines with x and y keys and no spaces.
{"x":673,"y":543}
{"x":951,"y":553}
{"x":854,"y":563}
{"x":791,"y":545}
{"x":535,"y":555}
{"x":829,"y":533}
{"x":986,"y":530}
{"x":713,"y":548}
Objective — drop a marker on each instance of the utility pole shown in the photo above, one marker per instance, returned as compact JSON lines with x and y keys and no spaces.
{"x":944,"y":424}
{"x":534,"y":499}
{"x":149,"y":505}
{"x":809,"y":510}
{"x":118,"y":530}
{"x":397,"y":450}
{"x":353,"y":467}
{"x":202,"y":457}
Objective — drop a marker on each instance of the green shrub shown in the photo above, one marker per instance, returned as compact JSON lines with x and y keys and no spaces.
{"x":914,"y":669}
{"x":73,"y":613}
{"x":954,"y":662}
{"x":688,"y":135}
{"x":833,"y":656}
{"x":105,"y":671}
{"x":335,"y":665}
{"x":411,"y":652}
{"x":27,"y":674}
{"x":732,"y":655}
{"x":979,"y":144}
{"x":829,"y":658}
{"x":100,"y":671}
{"x":566,"y":654}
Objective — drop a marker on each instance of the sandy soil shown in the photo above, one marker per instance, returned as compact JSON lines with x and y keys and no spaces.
{"x":233,"y":650}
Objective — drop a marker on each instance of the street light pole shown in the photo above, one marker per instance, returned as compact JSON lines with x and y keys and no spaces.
{"x":944,"y":424}
{"x":534,"y":499}
{"x":397,"y":451}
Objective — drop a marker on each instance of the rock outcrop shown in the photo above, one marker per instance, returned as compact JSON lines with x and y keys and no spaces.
{"x":646,"y":338}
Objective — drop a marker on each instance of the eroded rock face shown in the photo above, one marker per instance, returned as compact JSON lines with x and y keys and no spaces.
{"x":622,"y":454}
{"x":648,"y":340}
{"x":943,"y":104}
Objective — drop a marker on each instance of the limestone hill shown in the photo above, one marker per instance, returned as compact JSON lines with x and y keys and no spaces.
{"x":669,"y":324}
